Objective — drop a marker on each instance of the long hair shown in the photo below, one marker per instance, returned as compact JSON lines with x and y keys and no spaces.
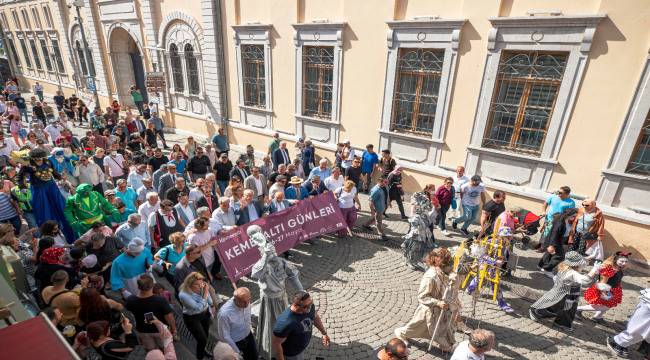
{"x":440,"y":253}
{"x":186,"y":286}
{"x":47,"y":227}
{"x":44,"y":243}
{"x":92,"y":306}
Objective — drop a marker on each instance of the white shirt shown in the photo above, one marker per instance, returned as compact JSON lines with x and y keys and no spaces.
{"x":595,"y":251}
{"x":114,"y":165}
{"x":332,"y":184}
{"x":213,"y":227}
{"x":227,"y":219}
{"x":258,"y":186}
{"x":199,"y":239}
{"x":134,"y":180}
{"x":462,"y":352}
{"x":145,"y":210}
{"x":458,"y":183}
{"x":196,"y":194}
{"x":53,"y":131}
{"x":89,"y":174}
{"x":7,"y":146}
{"x":233,"y":323}
{"x":346,"y":199}
{"x":472,"y":194}
{"x":152,"y":222}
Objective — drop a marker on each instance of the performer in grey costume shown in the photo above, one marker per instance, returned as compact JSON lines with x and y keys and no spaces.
{"x":271,"y":273}
{"x":419,"y":240}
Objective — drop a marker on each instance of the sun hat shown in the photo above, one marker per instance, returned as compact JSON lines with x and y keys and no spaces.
{"x":573,"y":258}
{"x":295,"y":180}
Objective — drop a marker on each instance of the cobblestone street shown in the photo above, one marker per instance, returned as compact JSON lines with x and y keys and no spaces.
{"x":364,"y":290}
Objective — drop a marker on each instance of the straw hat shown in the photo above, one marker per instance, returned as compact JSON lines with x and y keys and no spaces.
{"x":295,"y":180}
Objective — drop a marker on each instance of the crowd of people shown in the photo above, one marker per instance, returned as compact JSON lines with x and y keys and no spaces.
{"x":99,"y":220}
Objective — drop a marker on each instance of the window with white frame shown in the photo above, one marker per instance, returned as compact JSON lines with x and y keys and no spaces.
{"x":47,"y":14}
{"x":184,"y":64}
{"x":532,"y":75}
{"x":46,"y":54}
{"x":253,"y":54}
{"x":640,"y":160}
{"x":37,"y":18}
{"x":319,"y":65}
{"x":253,"y":75}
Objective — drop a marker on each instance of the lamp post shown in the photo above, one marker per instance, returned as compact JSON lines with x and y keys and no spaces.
{"x":78,"y":4}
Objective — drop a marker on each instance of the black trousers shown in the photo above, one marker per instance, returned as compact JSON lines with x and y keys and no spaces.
{"x":199,"y":326}
{"x":99,"y":188}
{"x":248,"y":347}
{"x":216,"y":266}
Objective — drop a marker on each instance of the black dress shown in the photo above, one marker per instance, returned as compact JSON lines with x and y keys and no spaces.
{"x":395,"y":192}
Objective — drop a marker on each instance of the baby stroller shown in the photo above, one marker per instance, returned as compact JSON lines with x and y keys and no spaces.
{"x":531,"y":223}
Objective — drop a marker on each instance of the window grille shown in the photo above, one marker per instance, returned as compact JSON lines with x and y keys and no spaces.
{"x":253,"y":75}
{"x":525,"y":92}
{"x":23,"y":46}
{"x":318,"y":75}
{"x":192,"y":70}
{"x":57,"y":55}
{"x":640,"y":161}
{"x":177,"y":68}
{"x":416,"y":91}
{"x":37,"y":59}
{"x":46,"y":55}
{"x":14,"y":52}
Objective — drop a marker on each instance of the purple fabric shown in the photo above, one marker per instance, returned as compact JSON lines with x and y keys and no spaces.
{"x":350,"y":217}
{"x":285,"y":229}
{"x":444,"y":196}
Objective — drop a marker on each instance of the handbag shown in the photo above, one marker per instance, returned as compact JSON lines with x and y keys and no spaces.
{"x":161,"y":269}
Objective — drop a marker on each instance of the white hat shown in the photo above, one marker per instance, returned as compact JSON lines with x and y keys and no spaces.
{"x":89,"y":261}
{"x":136,"y":245}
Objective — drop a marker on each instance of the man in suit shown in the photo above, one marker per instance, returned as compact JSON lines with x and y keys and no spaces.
{"x":295,"y":190}
{"x":240,"y":170}
{"x":185,"y":209}
{"x":279,"y":203}
{"x":281,"y":155}
{"x":257,"y":182}
{"x":168,"y":180}
{"x":249,"y":209}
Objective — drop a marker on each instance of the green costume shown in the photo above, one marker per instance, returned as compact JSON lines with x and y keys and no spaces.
{"x":87,"y":207}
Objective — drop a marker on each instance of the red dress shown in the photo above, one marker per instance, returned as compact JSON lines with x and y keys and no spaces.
{"x":592,"y":295}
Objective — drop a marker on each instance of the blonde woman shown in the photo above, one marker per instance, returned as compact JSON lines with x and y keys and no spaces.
{"x":233,"y":183}
{"x":348,"y":198}
{"x":196,"y":301}
{"x":168,"y":256}
{"x":189,"y":147}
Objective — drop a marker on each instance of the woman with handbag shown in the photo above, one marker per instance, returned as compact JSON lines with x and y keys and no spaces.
{"x":588,"y":226}
{"x":395,"y":191}
{"x":168,"y":256}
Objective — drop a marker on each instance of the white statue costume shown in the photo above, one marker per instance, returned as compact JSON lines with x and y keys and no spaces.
{"x":272,"y":273}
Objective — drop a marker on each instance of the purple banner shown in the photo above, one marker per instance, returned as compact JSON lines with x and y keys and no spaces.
{"x":285,"y":229}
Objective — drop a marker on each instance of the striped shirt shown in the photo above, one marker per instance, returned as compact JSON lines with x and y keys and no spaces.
{"x":7,"y":209}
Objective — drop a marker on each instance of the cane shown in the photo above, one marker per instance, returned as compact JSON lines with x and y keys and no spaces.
{"x":442,"y":311}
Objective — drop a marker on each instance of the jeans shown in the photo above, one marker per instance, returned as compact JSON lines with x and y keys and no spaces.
{"x":442,"y":217}
{"x":223,"y":184}
{"x":138,"y":104}
{"x":199,"y":326}
{"x":40,"y":95}
{"x":469,"y":215}
{"x":248,"y":347}
{"x":161,"y":134}
{"x":30,"y":219}
{"x":23,"y":112}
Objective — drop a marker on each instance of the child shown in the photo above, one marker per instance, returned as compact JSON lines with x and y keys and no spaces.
{"x":161,"y":291}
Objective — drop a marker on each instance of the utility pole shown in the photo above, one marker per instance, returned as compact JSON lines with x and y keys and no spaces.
{"x":78,"y":4}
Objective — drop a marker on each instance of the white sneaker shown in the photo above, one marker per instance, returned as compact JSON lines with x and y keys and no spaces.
{"x":446,"y":233}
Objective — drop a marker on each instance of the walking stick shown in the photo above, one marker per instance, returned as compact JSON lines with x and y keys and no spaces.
{"x":442,"y":311}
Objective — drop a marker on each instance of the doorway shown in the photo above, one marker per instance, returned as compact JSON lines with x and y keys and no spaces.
{"x":128,"y":68}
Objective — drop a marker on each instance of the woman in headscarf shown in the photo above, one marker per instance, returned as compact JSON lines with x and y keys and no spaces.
{"x":419,"y":241}
{"x":561,"y":301}
{"x":434,"y":304}
{"x":587,"y":228}
{"x":51,"y":260}
{"x":607,"y":292}
{"x":395,"y":191}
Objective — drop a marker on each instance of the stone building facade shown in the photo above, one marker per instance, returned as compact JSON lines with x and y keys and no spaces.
{"x":530,"y":94}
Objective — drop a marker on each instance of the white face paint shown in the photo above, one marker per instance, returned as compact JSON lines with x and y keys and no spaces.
{"x":622,"y":262}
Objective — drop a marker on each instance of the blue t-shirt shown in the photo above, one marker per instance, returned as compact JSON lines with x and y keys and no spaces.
{"x":180,"y":165}
{"x":557,"y":205}
{"x":368,"y":162}
{"x":296,"y":328}
{"x":128,"y":198}
{"x":168,"y":254}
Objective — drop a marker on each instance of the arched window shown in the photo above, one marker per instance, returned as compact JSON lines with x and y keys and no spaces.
{"x":177,"y":68}
{"x":192,"y":70}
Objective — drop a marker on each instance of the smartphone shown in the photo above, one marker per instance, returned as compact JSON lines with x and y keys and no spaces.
{"x":148,"y":317}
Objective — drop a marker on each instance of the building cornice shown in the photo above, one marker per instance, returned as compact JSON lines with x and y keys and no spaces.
{"x":426,"y":24}
{"x":319,"y":25}
{"x":252,"y":27}
{"x":548,"y":21}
